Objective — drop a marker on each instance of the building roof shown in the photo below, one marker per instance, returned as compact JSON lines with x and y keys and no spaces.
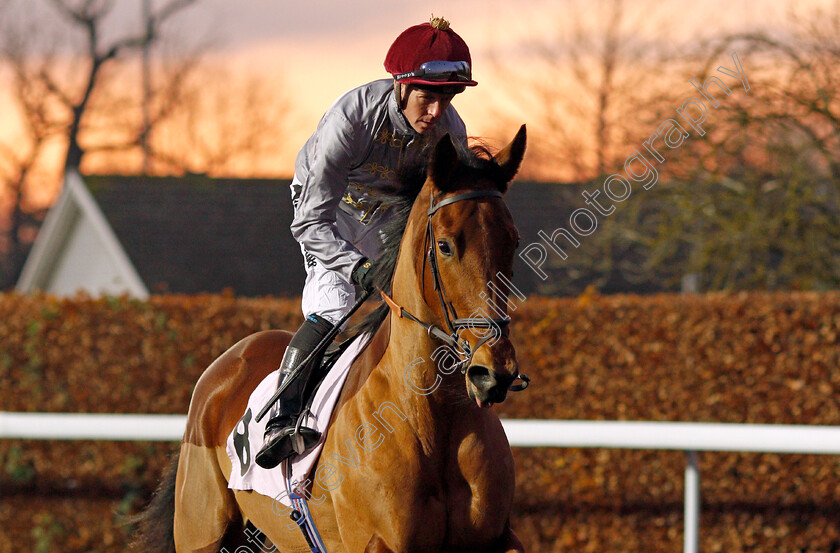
{"x":77,"y":248}
{"x":196,"y":234}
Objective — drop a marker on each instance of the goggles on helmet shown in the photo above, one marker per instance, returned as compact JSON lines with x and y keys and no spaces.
{"x":442,"y":71}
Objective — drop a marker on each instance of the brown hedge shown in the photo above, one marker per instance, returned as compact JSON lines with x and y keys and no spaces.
{"x":760,"y":358}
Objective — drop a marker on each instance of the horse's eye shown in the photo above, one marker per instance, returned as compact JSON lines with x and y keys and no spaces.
{"x":444,"y":248}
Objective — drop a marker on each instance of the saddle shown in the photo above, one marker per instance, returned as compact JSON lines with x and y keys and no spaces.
{"x":246,"y":437}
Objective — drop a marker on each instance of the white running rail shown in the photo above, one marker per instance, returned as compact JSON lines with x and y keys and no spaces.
{"x":689,"y":437}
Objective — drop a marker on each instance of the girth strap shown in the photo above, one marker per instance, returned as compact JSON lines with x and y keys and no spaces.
{"x":301,"y":515}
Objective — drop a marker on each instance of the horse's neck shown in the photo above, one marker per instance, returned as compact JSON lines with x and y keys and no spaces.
{"x":429,"y":397}
{"x":408,"y":363}
{"x":396,"y":367}
{"x":399,"y":356}
{"x":406,"y":372}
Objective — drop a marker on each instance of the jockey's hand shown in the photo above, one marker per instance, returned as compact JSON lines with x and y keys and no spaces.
{"x":363,"y":275}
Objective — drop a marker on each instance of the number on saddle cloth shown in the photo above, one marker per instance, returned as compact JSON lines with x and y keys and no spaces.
{"x":240,"y":442}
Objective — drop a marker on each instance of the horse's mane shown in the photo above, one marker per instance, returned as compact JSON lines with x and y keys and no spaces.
{"x":475,"y":162}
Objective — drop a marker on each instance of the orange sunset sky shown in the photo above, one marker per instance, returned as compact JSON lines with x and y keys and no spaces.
{"x":316,"y":50}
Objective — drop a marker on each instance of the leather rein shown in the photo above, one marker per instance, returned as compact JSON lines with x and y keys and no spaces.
{"x":454,"y":324}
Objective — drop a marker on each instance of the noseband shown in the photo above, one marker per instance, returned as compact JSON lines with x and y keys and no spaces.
{"x":454,"y":324}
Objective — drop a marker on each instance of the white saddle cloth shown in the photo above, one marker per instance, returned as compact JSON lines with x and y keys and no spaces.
{"x":247,"y":437}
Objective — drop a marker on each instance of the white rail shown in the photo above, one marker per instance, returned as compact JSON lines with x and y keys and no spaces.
{"x":89,"y":426}
{"x":690,"y":437}
{"x":683,"y":436}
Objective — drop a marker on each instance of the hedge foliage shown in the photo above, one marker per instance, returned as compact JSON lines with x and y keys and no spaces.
{"x":757,"y":358}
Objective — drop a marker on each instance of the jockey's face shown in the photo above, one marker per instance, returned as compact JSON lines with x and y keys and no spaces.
{"x":424,"y":107}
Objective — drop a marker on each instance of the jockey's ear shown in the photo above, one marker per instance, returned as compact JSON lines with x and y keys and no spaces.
{"x":510,"y":157}
{"x":443,"y":162}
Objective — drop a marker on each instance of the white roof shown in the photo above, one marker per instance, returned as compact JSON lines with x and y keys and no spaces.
{"x":76,"y":248}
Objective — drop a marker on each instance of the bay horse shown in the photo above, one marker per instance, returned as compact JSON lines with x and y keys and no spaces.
{"x":414,"y":460}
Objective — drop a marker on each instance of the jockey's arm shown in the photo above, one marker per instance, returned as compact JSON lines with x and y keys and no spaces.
{"x":324,"y":185}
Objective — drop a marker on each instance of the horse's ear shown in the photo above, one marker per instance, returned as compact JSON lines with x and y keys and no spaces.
{"x":510,"y":157}
{"x":444,"y":161}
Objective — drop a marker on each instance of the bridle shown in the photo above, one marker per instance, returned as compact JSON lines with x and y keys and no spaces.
{"x":454,"y":324}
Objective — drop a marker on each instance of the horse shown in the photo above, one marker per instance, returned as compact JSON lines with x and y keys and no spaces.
{"x":415,"y":460}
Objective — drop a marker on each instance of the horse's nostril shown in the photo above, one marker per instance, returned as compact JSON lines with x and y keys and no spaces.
{"x":490,"y":386}
{"x":481,"y":377}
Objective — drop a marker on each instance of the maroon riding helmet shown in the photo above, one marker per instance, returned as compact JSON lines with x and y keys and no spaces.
{"x":430,"y":54}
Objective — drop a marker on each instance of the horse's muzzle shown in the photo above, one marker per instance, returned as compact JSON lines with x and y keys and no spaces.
{"x":487,"y":386}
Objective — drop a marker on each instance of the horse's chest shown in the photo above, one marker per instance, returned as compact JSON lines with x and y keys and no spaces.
{"x":458,"y":498}
{"x":479,"y":490}
{"x":419,"y":493}
{"x":441,"y":508}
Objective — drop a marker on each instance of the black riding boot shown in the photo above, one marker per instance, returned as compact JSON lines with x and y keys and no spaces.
{"x":280,"y":441}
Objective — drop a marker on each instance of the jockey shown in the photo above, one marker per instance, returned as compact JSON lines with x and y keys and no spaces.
{"x":359,"y":147}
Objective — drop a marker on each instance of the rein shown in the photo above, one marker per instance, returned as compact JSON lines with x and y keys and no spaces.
{"x":461,"y":346}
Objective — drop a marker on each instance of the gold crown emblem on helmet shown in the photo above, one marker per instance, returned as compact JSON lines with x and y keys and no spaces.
{"x":439,"y":23}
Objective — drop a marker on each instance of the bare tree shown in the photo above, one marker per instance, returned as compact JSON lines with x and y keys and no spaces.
{"x":595,"y":91}
{"x":17,"y":167}
{"x":224,"y":125}
{"x":75,"y":87}
{"x":585,"y":86}
{"x":89,"y":16}
{"x":754,"y":202}
{"x":60,"y":87}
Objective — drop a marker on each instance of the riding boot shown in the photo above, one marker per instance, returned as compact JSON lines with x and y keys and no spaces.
{"x":280,"y":440}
